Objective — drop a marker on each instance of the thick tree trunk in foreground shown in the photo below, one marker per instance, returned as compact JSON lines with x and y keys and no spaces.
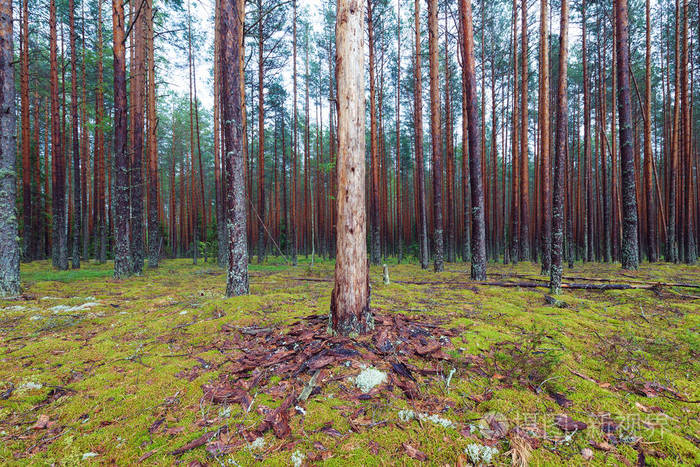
{"x":418,"y":130}
{"x":559,"y":155}
{"x":435,"y":139}
{"x":122,"y":250}
{"x":230,"y":48}
{"x":9,"y":244}
{"x":350,"y":300}
{"x":630,"y":258}
{"x":75,"y":139}
{"x":478,"y":234}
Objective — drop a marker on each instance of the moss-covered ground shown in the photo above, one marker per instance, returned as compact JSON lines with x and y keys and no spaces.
{"x":98,"y":370}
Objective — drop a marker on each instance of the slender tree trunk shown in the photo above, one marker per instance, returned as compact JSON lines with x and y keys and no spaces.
{"x":375,"y":250}
{"x":524,"y":152}
{"x":478,"y":234}
{"x":562,"y":119}
{"x":9,"y":243}
{"x":546,"y":207}
{"x":261,"y":141}
{"x":154,"y":237}
{"x":350,"y":300}
{"x":630,"y":259}
{"x":689,"y":234}
{"x":449,"y":157}
{"x":75,"y":138}
{"x":293,"y":220}
{"x":99,"y":166}
{"x":220,"y":208}
{"x":60,"y":234}
{"x":648,"y":155}
{"x":122,"y":254}
{"x":516,"y":240}
{"x":399,"y":237}
{"x":435,"y":139}
{"x":138,"y":81}
{"x":28,"y":254}
{"x":418,"y":129}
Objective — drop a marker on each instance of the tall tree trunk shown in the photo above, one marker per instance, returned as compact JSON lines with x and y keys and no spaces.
{"x":689,"y":234}
{"x":60,"y":233}
{"x":375,"y":250}
{"x":588,"y":170}
{"x":478,"y":234}
{"x":544,"y":129}
{"x":350,"y":300}
{"x":418,"y":129}
{"x":28,"y":254}
{"x":122,"y":253}
{"x":630,"y":259}
{"x":294,"y":220}
{"x":524,"y":153}
{"x":99,"y":166}
{"x":230,"y":48}
{"x":449,"y":157}
{"x":435,"y":139}
{"x":648,"y":155}
{"x":75,"y":138}
{"x":138,"y":82}
{"x":218,"y":154}
{"x":9,"y":244}
{"x":562,"y":118}
{"x":399,"y":237}
{"x":154,"y":238}
{"x":261,"y":141}
{"x":516,"y":240}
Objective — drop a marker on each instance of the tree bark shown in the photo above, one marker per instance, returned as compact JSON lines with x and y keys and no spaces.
{"x":9,"y":244}
{"x":562,"y":118}
{"x":122,"y":253}
{"x":60,"y":231}
{"x":524,"y":153}
{"x":154,"y":237}
{"x":230,"y":49}
{"x":350,"y":300}
{"x":478,"y":234}
{"x":544,"y":129}
{"x":375,"y":250}
{"x":435,"y":139}
{"x":75,"y":138}
{"x":418,"y":129}
{"x":28,"y":254}
{"x":648,"y":155}
{"x":630,"y":259}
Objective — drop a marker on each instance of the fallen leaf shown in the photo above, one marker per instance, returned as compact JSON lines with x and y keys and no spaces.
{"x":602,"y":445}
{"x":414,"y":453}
{"x":587,"y":453}
{"x":175,"y":430}
{"x":566,"y":423}
{"x":41,"y":423}
{"x":561,"y":399}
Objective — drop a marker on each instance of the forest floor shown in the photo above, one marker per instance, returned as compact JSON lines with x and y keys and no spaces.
{"x":162,"y":369}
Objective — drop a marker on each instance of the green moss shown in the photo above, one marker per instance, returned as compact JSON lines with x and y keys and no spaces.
{"x":131,"y":360}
